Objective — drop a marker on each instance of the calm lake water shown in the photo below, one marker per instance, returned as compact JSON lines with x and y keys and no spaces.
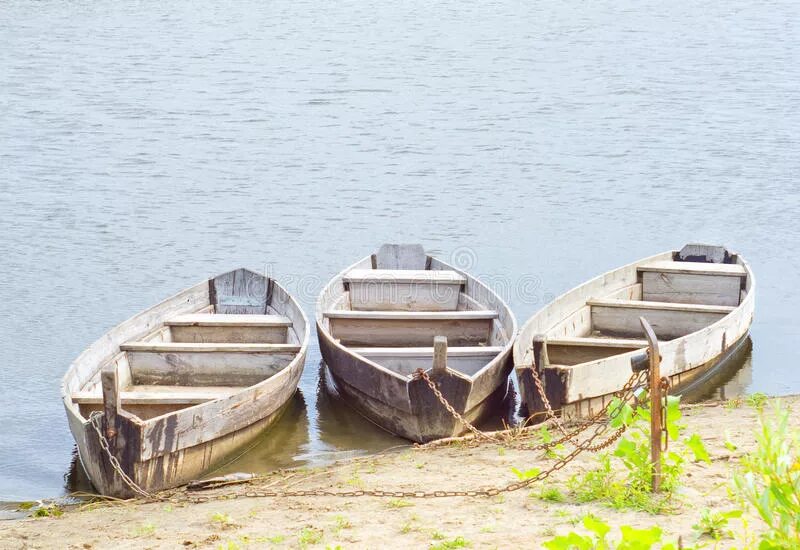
{"x":145,"y":146}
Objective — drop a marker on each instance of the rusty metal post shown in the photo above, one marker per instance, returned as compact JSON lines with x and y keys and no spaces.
{"x":656,"y":412}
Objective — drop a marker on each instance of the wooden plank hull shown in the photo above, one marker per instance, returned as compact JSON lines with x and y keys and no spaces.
{"x":178,"y":467}
{"x":163,"y":446}
{"x":701,"y":335}
{"x":408,"y":408}
{"x":385,"y":391}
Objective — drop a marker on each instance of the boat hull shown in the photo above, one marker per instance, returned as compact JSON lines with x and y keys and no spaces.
{"x":174,"y":468}
{"x":411,"y":410}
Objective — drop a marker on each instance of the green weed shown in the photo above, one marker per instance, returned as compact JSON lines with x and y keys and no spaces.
{"x":144,"y":530}
{"x":550,"y":494}
{"x":222,"y":520}
{"x":715,"y":524}
{"x":309,"y":536}
{"x":769,"y":480}
{"x":597,"y":538}
{"x":458,"y":542}
{"x":399,"y":503}
{"x":341,"y":522}
{"x":48,"y":511}
{"x":757,"y":400}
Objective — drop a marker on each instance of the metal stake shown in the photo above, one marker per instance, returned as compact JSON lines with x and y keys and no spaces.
{"x":652,"y":361}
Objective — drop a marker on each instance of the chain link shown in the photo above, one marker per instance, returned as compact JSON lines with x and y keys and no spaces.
{"x":589,"y":444}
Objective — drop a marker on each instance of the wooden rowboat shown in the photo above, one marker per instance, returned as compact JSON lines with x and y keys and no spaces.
{"x":699,"y":301}
{"x":173,"y":391}
{"x":377,"y":321}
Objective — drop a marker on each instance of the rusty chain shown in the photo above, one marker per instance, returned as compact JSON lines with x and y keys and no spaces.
{"x":587,"y":444}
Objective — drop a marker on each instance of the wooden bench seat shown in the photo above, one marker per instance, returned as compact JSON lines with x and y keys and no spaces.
{"x":410,"y":328}
{"x":423,"y":276}
{"x":404,"y":289}
{"x":669,"y":320}
{"x":697,"y":268}
{"x":198,"y":364}
{"x":227,"y":320}
{"x":160,"y":395}
{"x":693,"y":282}
{"x":187,"y":347}
{"x":228,"y":328}
{"x":575,"y":350}
{"x":405,"y":361}
{"x":463,"y":351}
{"x":591,"y":341}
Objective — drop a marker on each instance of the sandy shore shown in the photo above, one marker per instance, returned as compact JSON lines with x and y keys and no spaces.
{"x":512,"y":520}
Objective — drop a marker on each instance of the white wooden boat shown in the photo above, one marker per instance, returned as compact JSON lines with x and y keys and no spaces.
{"x":699,"y":301}
{"x":377,"y":321}
{"x":181,"y":386}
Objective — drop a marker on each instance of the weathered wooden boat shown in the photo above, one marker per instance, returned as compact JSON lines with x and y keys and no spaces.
{"x":170,"y":393}
{"x":699,"y":301}
{"x":377,"y":321}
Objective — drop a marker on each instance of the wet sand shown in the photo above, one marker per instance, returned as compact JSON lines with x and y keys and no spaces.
{"x":514,"y":519}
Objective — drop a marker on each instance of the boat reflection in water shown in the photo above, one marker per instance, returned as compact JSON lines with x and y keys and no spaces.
{"x":731,"y":378}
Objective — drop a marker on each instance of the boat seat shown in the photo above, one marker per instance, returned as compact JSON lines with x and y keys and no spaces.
{"x":697,"y":268}
{"x":404,"y":289}
{"x":422,"y":276}
{"x":405,"y":361}
{"x":575,"y":350}
{"x":186,"y":347}
{"x":693,"y":282}
{"x":206,"y":364}
{"x":462,"y":351}
{"x":410,"y":328}
{"x":614,"y":317}
{"x":159,"y":395}
{"x":228,"y":328}
{"x":590,"y":341}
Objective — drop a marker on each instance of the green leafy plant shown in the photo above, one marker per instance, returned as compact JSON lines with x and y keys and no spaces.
{"x":715,"y":524}
{"x":341,"y":522}
{"x":632,"y":489}
{"x":698,"y":448}
{"x":399,"y":503}
{"x":550,"y":494}
{"x":757,"y":400}
{"x":769,"y":480}
{"x":734,"y":403}
{"x":222,"y":520}
{"x":458,"y":542}
{"x":309,"y":535}
{"x":598,"y":538}
{"x":527,"y":474}
{"x":412,"y":524}
{"x":48,"y":511}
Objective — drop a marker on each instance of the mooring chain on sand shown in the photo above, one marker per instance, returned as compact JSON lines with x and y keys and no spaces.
{"x":579,"y":446}
{"x":586,"y":445}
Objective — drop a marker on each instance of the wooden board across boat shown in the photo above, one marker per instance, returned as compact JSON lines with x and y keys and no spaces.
{"x":699,"y":300}
{"x":187,"y":382}
{"x":400,"y":310}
